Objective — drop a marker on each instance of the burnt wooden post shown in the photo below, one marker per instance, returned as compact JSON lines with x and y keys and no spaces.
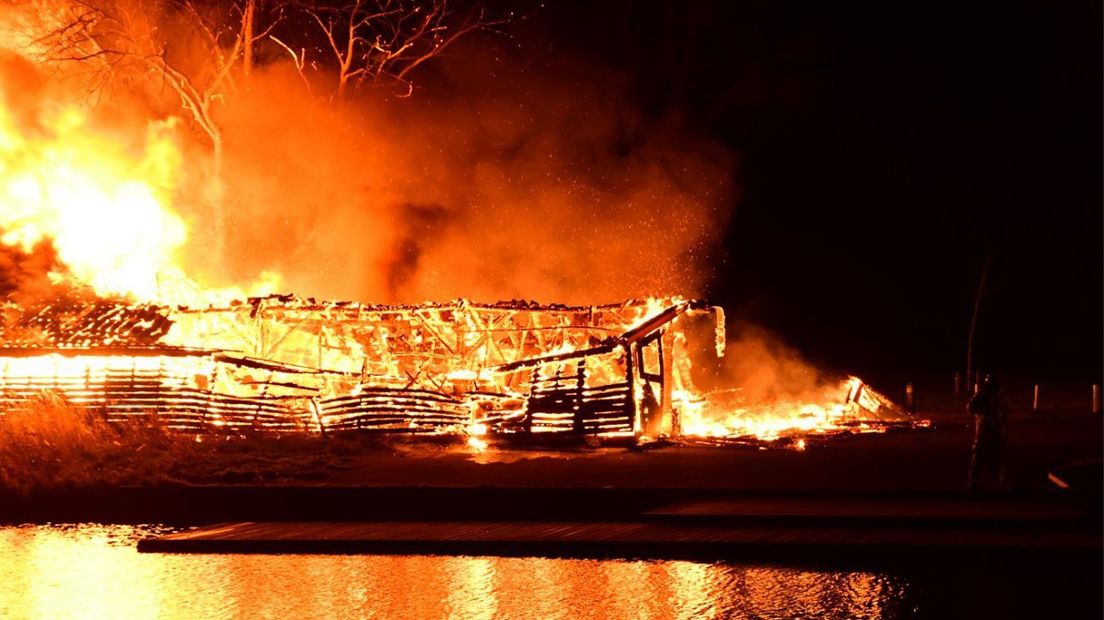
{"x":88,"y":388}
{"x":579,"y":421}
{"x":666,"y":369}
{"x":316,"y":409}
{"x":630,"y":378}
{"x":1035,"y":399}
{"x":131,"y":387}
{"x":264,"y":392}
{"x":527,"y":423}
{"x":208,"y":389}
{"x":158,"y":388}
{"x":1096,"y":398}
{"x":651,"y":408}
{"x":258,"y":314}
{"x":910,"y":399}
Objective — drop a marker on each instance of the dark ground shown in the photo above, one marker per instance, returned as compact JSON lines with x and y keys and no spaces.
{"x":923,"y":460}
{"x":232,"y":476}
{"x":931,"y":459}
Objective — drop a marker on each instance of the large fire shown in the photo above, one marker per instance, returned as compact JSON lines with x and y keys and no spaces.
{"x":156,"y":341}
{"x":105,"y":208}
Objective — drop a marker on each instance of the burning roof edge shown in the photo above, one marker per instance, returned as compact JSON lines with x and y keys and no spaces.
{"x":673,"y":308}
{"x":310,"y":303}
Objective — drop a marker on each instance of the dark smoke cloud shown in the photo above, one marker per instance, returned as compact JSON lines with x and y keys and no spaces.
{"x":420,"y":227}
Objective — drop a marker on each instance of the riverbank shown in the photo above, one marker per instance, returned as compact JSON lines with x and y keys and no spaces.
{"x":890,"y":502}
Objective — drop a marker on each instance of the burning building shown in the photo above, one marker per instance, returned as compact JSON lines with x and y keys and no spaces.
{"x":285,"y":364}
{"x":121,"y":229}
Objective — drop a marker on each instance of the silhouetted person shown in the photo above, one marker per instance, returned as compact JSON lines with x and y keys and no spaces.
{"x":990,"y":409}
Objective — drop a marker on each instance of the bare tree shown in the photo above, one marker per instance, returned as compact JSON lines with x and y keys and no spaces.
{"x":383,"y":41}
{"x":249,"y":35}
{"x":182,"y":45}
{"x":199,"y":50}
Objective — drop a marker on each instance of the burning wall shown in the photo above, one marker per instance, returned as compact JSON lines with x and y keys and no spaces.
{"x":285,"y":363}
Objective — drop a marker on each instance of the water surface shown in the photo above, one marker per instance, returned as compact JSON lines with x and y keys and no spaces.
{"x":94,"y":571}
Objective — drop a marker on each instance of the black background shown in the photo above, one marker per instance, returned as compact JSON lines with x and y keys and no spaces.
{"x":887,"y":149}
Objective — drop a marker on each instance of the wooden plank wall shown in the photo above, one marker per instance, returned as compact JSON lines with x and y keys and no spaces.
{"x":144,"y":390}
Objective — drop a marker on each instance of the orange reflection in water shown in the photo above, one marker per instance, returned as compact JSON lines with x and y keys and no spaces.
{"x":93,"y":571}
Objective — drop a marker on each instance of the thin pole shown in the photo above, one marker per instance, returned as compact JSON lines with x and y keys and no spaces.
{"x":973,"y":321}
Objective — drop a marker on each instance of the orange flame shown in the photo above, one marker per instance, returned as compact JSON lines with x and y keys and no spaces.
{"x":103,"y":208}
{"x":106,"y":210}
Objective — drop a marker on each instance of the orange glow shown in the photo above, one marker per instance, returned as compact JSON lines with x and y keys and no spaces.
{"x":103,"y":208}
{"x":321,"y":367}
{"x":93,"y":571}
{"x":109,"y":213}
{"x":106,"y":207}
{"x":111,"y":209}
{"x":850,"y":407}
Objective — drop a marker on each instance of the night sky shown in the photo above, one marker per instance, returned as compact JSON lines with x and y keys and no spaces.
{"x":886,"y":150}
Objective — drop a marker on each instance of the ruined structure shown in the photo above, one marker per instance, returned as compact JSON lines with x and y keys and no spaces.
{"x":284,"y":363}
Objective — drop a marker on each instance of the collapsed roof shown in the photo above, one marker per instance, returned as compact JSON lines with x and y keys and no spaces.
{"x":286,"y":362}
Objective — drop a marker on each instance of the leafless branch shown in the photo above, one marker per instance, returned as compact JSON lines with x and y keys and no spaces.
{"x":299,"y":61}
{"x":384,"y":41}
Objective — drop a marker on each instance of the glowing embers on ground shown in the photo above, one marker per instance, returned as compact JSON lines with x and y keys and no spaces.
{"x":851,"y":407}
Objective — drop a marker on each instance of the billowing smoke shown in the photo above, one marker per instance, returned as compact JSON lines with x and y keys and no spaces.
{"x":763,"y":368}
{"x":769,"y":370}
{"x":507,"y":174}
{"x":506,"y":184}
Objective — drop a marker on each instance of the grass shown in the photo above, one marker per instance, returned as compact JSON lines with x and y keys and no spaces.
{"x":48,"y":444}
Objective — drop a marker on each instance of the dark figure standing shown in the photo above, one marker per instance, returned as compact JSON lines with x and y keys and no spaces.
{"x":990,"y":409}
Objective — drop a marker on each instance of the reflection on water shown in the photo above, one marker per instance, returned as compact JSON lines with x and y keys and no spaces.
{"x":93,"y":571}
